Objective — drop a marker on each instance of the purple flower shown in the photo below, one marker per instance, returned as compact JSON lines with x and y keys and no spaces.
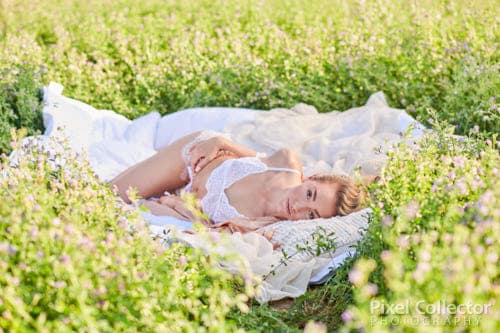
{"x":458,"y":161}
{"x":15,"y":281}
{"x":355,"y":276}
{"x":64,"y":259}
{"x":492,"y":257}
{"x":39,"y":254}
{"x":56,"y":221}
{"x":387,"y":220}
{"x":423,"y":267}
{"x":480,"y":250}
{"x":347,"y":316}
{"x":385,"y":255}
{"x":182,"y":260}
{"x":425,"y":256}
{"x":371,"y":289}
{"x":403,"y":242}
{"x":33,"y":233}
{"x":411,"y":210}
{"x":11,"y":250}
{"x":462,"y":187}
{"x":59,"y":284}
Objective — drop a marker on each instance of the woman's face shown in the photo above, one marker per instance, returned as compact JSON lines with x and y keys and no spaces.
{"x":310,"y":200}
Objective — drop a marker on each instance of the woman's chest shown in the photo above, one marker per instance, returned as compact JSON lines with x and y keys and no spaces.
{"x":242,"y":190}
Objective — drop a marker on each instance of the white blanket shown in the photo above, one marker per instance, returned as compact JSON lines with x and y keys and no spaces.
{"x":328,"y":142}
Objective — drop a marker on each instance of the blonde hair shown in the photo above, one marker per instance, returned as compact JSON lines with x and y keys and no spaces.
{"x":350,"y":195}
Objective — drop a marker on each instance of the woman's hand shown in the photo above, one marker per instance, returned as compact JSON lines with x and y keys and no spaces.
{"x":206,"y":151}
{"x":269,"y":236}
{"x":176,"y":203}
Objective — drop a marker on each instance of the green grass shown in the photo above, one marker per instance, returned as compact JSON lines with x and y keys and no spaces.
{"x":439,"y":60}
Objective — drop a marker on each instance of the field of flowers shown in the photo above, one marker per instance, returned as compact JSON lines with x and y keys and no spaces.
{"x":72,"y":258}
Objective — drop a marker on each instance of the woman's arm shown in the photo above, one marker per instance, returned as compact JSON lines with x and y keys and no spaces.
{"x":161,"y":172}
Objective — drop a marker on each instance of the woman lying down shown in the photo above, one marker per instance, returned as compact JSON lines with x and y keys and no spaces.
{"x":238,"y":189}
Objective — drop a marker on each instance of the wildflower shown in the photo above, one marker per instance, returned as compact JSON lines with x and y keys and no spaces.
{"x":110,"y":236}
{"x":458,"y":161}
{"x":371,"y":289}
{"x":483,"y":209}
{"x":403,"y":241}
{"x":64,"y":259}
{"x":11,"y":250}
{"x":425,"y":256}
{"x":7,"y":315}
{"x":411,"y":210}
{"x":492,"y":257}
{"x":69,"y":229}
{"x":59,"y":284}
{"x":15,"y":281}
{"x":182,"y":260}
{"x":386,"y":255}
{"x":356,"y":276}
{"x":461,"y":187}
{"x":56,"y":221}
{"x":446,"y":159}
{"x":33,"y":233}
{"x":39,"y":254}
{"x":387,"y":220}
{"x":347,"y":316}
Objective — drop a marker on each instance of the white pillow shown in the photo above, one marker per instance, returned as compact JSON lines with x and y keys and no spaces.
{"x":293,"y":236}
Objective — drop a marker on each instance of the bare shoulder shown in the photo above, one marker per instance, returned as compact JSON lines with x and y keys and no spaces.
{"x":284,"y":158}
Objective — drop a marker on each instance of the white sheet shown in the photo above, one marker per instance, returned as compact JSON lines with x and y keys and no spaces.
{"x":338,"y":142}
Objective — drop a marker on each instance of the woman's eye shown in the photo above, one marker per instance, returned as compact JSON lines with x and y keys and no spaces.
{"x":309,"y":194}
{"x":310,"y":214}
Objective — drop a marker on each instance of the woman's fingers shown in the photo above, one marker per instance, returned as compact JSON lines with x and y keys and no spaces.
{"x":169,"y":200}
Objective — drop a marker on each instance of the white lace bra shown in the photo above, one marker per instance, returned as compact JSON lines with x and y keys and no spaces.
{"x":216,"y":203}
